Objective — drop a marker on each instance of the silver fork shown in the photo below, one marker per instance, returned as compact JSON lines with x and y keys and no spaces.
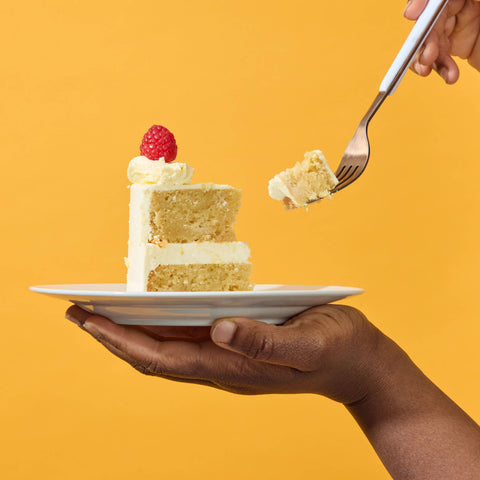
{"x":356,"y":155}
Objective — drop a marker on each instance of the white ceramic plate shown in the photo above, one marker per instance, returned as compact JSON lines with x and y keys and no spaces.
{"x":266,"y":303}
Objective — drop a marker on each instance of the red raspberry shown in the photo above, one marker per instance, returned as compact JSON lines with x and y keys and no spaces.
{"x":159,"y":142}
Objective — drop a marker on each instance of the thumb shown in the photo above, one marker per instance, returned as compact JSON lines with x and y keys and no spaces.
{"x":294,"y":345}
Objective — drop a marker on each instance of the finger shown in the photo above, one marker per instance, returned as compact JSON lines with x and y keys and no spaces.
{"x":151,"y":356}
{"x":187,"y":334}
{"x":187,"y":360}
{"x":419,"y":68}
{"x":203,"y":363}
{"x":139,"y":367}
{"x":77,"y":315}
{"x":450,"y":24}
{"x":133,"y":344}
{"x":414,"y":9}
{"x":447,"y":68}
{"x":430,"y":50}
{"x":465,"y":34}
{"x":422,"y":70}
{"x":298,"y":344}
{"x":80,"y":317}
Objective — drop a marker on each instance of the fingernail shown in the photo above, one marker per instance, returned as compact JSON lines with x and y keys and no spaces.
{"x":77,"y":315}
{"x":91,"y":328}
{"x":418,"y":68}
{"x":420,"y":53}
{"x":407,"y":7}
{"x":224,"y":332}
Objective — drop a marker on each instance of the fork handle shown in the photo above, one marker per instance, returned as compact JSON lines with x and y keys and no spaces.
{"x":412,"y":45}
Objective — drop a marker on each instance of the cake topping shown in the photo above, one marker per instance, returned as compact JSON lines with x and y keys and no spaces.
{"x":144,"y":171}
{"x":158,"y":149}
{"x":158,"y":143}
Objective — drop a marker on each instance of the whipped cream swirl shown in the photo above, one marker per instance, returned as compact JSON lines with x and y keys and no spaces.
{"x":144,"y":171}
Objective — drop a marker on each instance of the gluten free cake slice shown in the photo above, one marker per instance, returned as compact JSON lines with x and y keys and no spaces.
{"x":181,"y":235}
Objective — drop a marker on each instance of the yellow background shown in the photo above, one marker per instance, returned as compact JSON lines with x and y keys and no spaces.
{"x":246,"y":87}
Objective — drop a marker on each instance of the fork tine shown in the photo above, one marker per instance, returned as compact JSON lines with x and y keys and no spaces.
{"x":347,"y":180}
{"x":339,"y":171}
{"x":351,"y":173}
{"x":342,"y":172}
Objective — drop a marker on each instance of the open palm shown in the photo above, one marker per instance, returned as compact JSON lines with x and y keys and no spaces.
{"x":456,"y":34}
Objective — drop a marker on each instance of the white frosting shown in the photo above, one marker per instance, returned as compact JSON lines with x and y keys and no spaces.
{"x":144,"y":171}
{"x":144,"y":258}
{"x":277,"y":189}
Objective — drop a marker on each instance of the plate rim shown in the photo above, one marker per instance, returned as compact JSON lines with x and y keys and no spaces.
{"x":52,"y":289}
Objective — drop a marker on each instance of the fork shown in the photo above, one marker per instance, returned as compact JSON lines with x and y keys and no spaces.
{"x":355,"y":157}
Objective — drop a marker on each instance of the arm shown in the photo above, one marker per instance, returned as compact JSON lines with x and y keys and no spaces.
{"x":332,"y":350}
{"x":456,"y":34}
{"x":416,"y":430}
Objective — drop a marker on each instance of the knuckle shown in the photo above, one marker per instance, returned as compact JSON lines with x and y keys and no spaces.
{"x":343,"y":313}
{"x":139,"y":368}
{"x":260,"y":346}
{"x":146,"y":368}
{"x":337,"y":323}
{"x":349,"y":311}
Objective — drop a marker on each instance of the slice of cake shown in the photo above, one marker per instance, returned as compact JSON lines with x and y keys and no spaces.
{"x":307,"y":181}
{"x":181,"y":236}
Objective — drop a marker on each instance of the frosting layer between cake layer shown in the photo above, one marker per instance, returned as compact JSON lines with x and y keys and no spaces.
{"x":143,"y":259}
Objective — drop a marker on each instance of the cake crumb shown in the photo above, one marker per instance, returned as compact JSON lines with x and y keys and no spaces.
{"x":156,"y":240}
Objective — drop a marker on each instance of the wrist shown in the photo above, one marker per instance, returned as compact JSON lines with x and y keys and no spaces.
{"x":387,"y":364}
{"x":381,"y":365}
{"x":357,"y":361}
{"x":394,"y":386}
